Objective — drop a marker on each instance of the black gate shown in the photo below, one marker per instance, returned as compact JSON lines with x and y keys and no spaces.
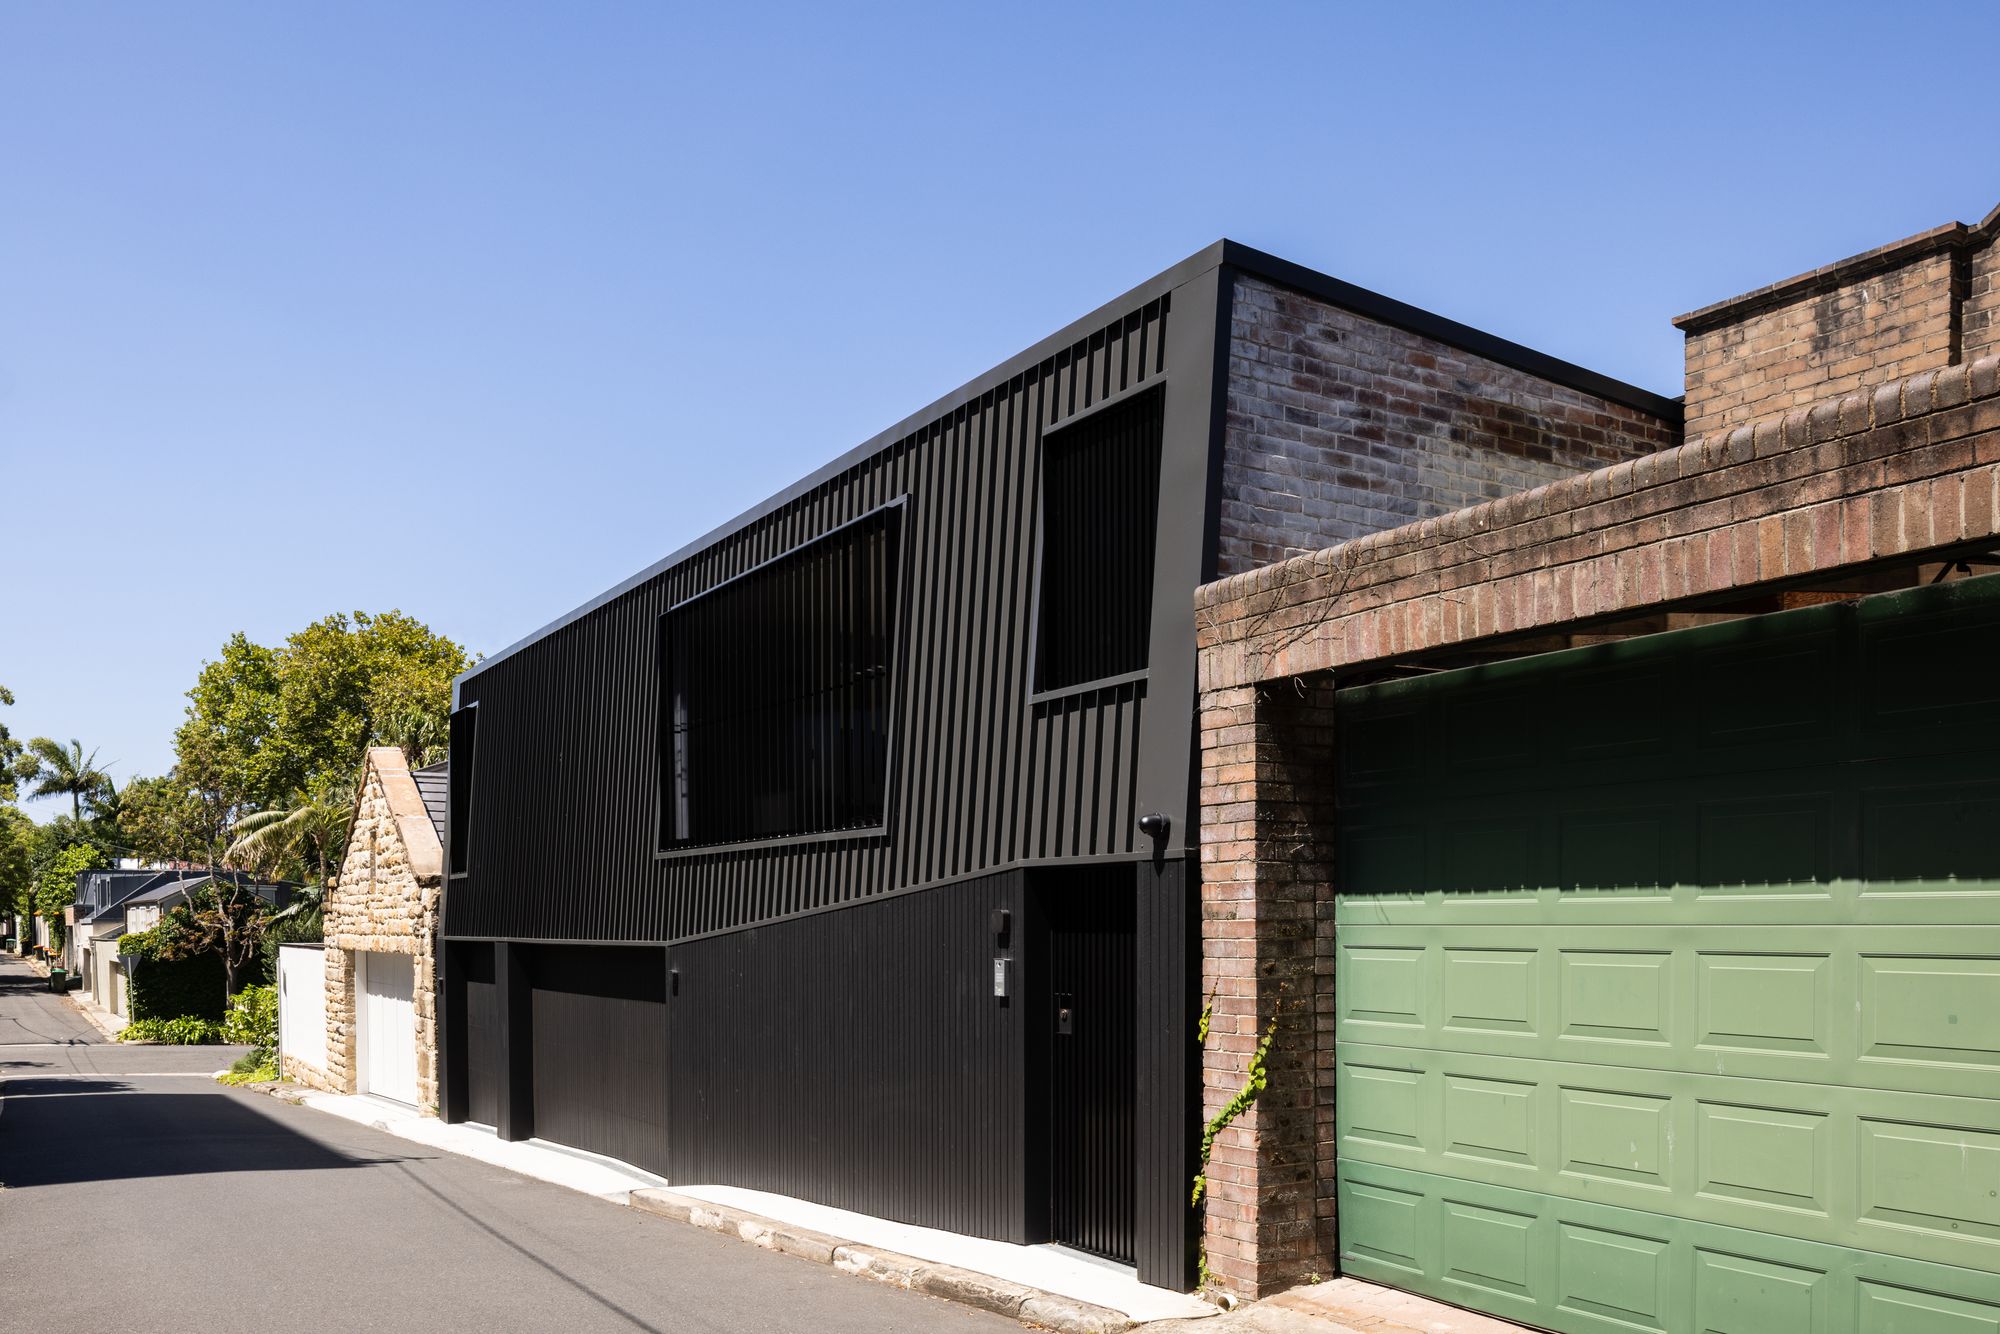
{"x":1093,"y":1059}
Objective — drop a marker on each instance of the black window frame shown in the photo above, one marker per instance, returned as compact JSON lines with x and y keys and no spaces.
{"x":1041,"y":688}
{"x":462,"y":756}
{"x":664,"y":843}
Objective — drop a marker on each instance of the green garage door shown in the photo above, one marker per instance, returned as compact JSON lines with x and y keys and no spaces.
{"x":1669,"y":977}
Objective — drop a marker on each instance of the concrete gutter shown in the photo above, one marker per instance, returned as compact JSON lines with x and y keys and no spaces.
{"x":620,"y":1183}
{"x":1031,"y":1306}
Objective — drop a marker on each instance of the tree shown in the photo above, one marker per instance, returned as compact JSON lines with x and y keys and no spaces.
{"x":222,"y":916}
{"x":10,"y":754}
{"x":224,"y":749}
{"x":17,"y":864}
{"x":348,"y":683}
{"x":268,"y":728}
{"x":312,"y":833}
{"x":57,"y":772}
{"x":56,"y":889}
{"x":164,"y":819}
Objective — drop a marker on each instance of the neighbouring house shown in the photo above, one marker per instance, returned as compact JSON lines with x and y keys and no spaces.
{"x":378,"y":1001}
{"x":1616,"y":865}
{"x":95,"y":919}
{"x":139,"y":908}
{"x":847,"y":852}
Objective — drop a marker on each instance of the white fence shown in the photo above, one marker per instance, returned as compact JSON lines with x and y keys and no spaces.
{"x":302,"y":1004}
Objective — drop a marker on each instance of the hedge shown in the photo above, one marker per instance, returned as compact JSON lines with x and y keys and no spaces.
{"x":170,"y":988}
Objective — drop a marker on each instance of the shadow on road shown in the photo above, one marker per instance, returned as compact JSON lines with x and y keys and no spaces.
{"x":52,"y":1133}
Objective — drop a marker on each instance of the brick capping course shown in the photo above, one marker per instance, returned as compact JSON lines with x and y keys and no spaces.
{"x":1900,"y":468}
{"x":1829,"y":277}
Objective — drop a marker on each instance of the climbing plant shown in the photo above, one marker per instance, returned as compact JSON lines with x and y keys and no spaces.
{"x":1256,"y":1075}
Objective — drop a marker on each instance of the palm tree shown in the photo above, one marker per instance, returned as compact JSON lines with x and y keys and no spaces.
{"x":55,"y":771}
{"x":313,"y":829}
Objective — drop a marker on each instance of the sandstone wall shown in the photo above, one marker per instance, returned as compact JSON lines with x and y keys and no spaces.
{"x":386,"y":900}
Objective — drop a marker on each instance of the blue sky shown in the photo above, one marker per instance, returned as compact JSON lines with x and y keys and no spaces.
{"x":473,"y":310}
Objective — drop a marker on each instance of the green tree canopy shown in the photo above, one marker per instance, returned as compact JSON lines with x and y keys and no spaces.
{"x":275,"y":729}
{"x":164,"y":819}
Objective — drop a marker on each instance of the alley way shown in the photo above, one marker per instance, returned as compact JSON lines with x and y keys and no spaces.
{"x":146,"y":1197}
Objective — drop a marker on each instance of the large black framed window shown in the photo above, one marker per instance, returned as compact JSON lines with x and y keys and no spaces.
{"x":1100,"y":517}
{"x":776,"y":694}
{"x":463,"y":756}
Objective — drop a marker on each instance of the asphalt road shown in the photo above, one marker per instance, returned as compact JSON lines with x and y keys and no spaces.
{"x":138,"y":1195}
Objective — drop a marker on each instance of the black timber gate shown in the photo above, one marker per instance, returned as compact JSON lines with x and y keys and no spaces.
{"x":1090,"y":1016}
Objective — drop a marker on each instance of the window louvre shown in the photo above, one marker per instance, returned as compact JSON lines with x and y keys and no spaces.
{"x":463,"y":756}
{"x":1100,"y":515}
{"x":776,"y":694}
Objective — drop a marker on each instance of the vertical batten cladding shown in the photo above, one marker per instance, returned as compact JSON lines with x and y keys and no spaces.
{"x":565,"y":843}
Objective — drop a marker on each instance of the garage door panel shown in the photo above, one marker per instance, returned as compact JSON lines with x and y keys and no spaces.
{"x":1847,"y":1167}
{"x":1910,"y":695}
{"x":1902,"y":1007}
{"x":1587,"y":1265}
{"x":1901,"y":841}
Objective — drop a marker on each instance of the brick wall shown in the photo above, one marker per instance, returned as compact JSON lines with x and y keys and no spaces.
{"x":1267,"y":948}
{"x":1981,"y":318}
{"x":1919,"y":304}
{"x":1339,"y":426}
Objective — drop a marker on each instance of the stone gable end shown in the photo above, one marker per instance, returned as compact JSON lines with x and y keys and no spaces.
{"x":385,"y":900}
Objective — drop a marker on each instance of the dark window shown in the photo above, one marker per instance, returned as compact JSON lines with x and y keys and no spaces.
{"x":464,"y":750}
{"x":1100,"y":513}
{"x":776,"y":694}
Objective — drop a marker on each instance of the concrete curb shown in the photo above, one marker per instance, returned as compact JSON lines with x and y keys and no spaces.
{"x":1031,"y":1306}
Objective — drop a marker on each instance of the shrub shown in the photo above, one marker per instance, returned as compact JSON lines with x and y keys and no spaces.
{"x":183,"y":1030}
{"x":253,"y":1017}
{"x":257,"y":1067}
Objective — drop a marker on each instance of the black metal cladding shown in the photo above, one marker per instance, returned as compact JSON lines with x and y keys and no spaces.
{"x":777,"y":690}
{"x":860,"y":1059}
{"x":1100,"y":520}
{"x":564,"y":825}
{"x":470,"y":971}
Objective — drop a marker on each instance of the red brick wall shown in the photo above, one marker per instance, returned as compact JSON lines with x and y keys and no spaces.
{"x":1267,"y":942}
{"x":1339,"y":426}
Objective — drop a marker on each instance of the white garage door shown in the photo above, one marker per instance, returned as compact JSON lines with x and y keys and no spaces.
{"x":388,"y":1028}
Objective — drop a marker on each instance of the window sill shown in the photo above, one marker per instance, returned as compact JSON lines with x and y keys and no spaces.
{"x":1088,"y":687}
{"x":778,"y":841}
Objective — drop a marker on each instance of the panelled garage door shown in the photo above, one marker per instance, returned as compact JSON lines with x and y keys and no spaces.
{"x":1668,"y":977}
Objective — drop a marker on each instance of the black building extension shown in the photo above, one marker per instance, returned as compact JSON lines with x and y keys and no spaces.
{"x":849,"y":851}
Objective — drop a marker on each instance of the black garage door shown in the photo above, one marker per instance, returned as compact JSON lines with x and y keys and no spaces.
{"x":600,"y":1050}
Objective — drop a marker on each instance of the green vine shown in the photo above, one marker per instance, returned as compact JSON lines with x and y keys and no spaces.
{"x":1256,"y":1075}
